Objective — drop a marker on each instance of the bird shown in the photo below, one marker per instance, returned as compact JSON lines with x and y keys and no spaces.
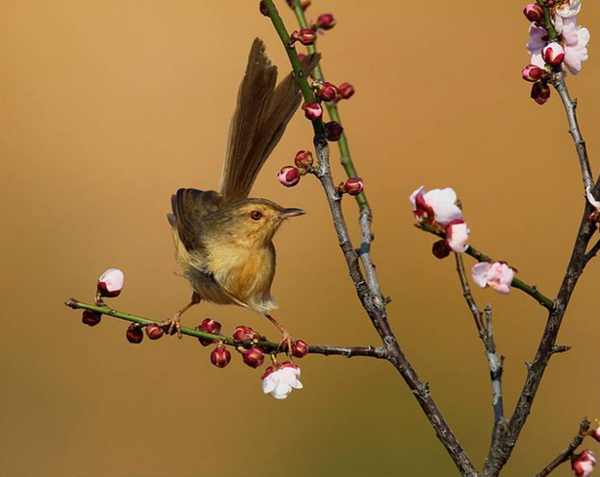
{"x":223,"y":239}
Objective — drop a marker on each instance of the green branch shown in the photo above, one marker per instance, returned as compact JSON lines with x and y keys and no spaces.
{"x":552,"y":35}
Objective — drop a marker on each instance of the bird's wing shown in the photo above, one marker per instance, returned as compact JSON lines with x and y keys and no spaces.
{"x":190,"y":207}
{"x":260,"y":118}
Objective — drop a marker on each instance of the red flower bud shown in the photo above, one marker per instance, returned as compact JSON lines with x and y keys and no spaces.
{"x":305,"y":36}
{"x":326,"y":91}
{"x":333,"y":131}
{"x":245,"y":333}
{"x":289,"y":176}
{"x":596,"y":434}
{"x":254,"y":357}
{"x":304,"y":160}
{"x":263,"y":8}
{"x":326,"y":21}
{"x":533,"y":73}
{"x":220,"y":356}
{"x":352,"y":186}
{"x":135,"y":334}
{"x":540,"y":92}
{"x":299,"y":349}
{"x":440,"y":249}
{"x":304,"y":4}
{"x":312,"y":111}
{"x":111,"y":283}
{"x":208,"y":326}
{"x":154,"y":331}
{"x":346,"y":90}
{"x":301,"y":56}
{"x":553,"y":54}
{"x":533,"y":12}
{"x":583,"y":464}
{"x":91,"y":318}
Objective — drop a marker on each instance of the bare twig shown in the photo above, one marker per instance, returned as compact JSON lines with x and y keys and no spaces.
{"x":591,"y":253}
{"x":566,"y":454}
{"x":269,"y":346}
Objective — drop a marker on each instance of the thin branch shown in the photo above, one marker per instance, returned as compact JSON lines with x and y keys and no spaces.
{"x":531,"y":290}
{"x":566,"y":454}
{"x":268,"y":346}
{"x":591,"y":253}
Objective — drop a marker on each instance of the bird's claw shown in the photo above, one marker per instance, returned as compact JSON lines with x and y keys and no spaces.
{"x":286,"y":343}
{"x":174,"y":325}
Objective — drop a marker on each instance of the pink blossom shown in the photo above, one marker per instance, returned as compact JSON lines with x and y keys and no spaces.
{"x":437,"y":204}
{"x":457,"y":235}
{"x":583,"y":464}
{"x":536,"y":43}
{"x":497,"y":276}
{"x":575,"y":39}
{"x":553,"y":54}
{"x":111,"y":282}
{"x":567,"y":8}
{"x":279,"y":380}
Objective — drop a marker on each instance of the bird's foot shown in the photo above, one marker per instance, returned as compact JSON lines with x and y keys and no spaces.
{"x":173,"y":325}
{"x":286,"y":342}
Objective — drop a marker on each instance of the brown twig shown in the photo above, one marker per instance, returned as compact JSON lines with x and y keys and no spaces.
{"x":568,"y":451}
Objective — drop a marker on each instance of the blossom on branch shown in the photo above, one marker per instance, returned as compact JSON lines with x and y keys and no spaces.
{"x":457,"y":235}
{"x":575,"y":39}
{"x":498,"y":276}
{"x":111,"y":283}
{"x":583,"y":464}
{"x":280,"y":379}
{"x":439,"y":205}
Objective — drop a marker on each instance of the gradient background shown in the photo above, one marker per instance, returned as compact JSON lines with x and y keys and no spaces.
{"x":109,"y":106}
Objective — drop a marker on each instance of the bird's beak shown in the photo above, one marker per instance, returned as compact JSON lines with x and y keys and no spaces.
{"x":287,"y":213}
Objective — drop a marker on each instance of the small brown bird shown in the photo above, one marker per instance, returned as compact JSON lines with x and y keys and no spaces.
{"x":223,"y":240}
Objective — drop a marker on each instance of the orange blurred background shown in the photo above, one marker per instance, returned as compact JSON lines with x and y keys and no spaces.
{"x":108,"y":107}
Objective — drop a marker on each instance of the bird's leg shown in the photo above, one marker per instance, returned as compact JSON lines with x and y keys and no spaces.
{"x":285,"y":336}
{"x":174,"y":323}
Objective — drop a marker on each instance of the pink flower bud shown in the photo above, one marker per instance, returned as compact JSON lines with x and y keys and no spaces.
{"x":154,"y":331}
{"x":245,"y":333}
{"x":326,"y":21}
{"x":533,"y":12}
{"x":312,"y":111}
{"x":533,"y":73}
{"x":111,"y":283}
{"x":289,"y":176}
{"x":540,"y":92}
{"x":352,"y":186}
{"x":306,"y":36}
{"x":208,"y":326}
{"x":263,"y":8}
{"x":497,"y":275}
{"x":304,"y":160}
{"x":457,"y":235}
{"x":91,"y":318}
{"x":346,"y":90}
{"x":583,"y":464}
{"x":553,"y":54}
{"x":326,"y":91}
{"x":440,"y":249}
{"x":220,"y":356}
{"x":135,"y":334}
{"x":254,"y":357}
{"x":299,"y":349}
{"x":333,"y":131}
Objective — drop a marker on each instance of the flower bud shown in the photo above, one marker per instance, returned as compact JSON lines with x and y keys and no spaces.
{"x":533,"y":73}
{"x":533,"y":12}
{"x":304,"y":160}
{"x":346,"y":90}
{"x":254,"y":357}
{"x":352,"y":186}
{"x":583,"y":464}
{"x":326,"y":91}
{"x":457,"y":235}
{"x":289,"y":176}
{"x":301,"y":56}
{"x":154,"y":331}
{"x":245,"y":333}
{"x":208,"y":326}
{"x":540,"y":92}
{"x":135,"y":334}
{"x":312,"y":111}
{"x":91,"y":318}
{"x":111,"y":283}
{"x":440,"y":249}
{"x":305,"y":36}
{"x":263,"y":8}
{"x":326,"y":21}
{"x":596,"y":434}
{"x":553,"y":54}
{"x":220,"y":356}
{"x":304,"y":4}
{"x":299,"y":349}
{"x":333,"y":131}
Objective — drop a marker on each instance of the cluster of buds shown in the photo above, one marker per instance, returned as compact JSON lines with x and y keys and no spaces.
{"x":211,"y":326}
{"x":306,"y":36}
{"x":567,"y":50}
{"x":583,"y":464}
{"x":327,"y":91}
{"x":289,"y":176}
{"x":352,"y":186}
{"x":441,"y":210}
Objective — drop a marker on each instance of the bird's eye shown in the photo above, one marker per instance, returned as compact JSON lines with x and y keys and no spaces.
{"x":255,"y":215}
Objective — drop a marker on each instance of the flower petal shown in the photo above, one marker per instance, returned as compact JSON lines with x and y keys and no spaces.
{"x":479,"y":273}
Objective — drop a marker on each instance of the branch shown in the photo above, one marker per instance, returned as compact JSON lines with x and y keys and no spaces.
{"x":592,"y":253}
{"x":568,"y":451}
{"x":486,"y":334}
{"x":531,"y":290}
{"x":268,"y":346}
